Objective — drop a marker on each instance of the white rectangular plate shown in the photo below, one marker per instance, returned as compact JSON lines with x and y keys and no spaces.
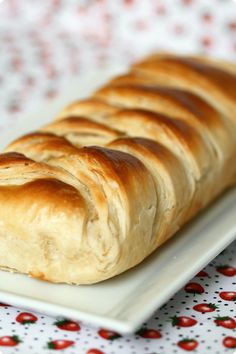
{"x":124,"y":302}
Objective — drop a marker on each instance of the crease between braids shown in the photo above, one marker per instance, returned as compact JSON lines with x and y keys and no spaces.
{"x":116,"y":175}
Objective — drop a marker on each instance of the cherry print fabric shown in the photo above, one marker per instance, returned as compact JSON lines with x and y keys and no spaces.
{"x":45,"y":45}
{"x":199,"y":318}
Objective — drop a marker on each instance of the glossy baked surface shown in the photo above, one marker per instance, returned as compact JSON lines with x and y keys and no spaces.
{"x":124,"y":302}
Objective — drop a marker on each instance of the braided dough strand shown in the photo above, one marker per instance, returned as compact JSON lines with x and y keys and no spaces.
{"x":116,"y":175}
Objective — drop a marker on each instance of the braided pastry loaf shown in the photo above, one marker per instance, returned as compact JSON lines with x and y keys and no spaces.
{"x":101,"y":187}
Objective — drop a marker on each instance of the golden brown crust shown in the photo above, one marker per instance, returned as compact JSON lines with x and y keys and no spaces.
{"x":82,"y":131}
{"x":167,"y":148}
{"x":211,"y":82}
{"x":117,"y":190}
{"x":41,"y":144}
{"x":210,"y":61}
{"x":90,"y":107}
{"x":174,"y":189}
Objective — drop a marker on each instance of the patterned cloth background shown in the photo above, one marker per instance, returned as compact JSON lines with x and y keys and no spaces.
{"x":43,"y":44}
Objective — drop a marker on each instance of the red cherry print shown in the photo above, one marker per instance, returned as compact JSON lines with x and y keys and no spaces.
{"x":51,"y":72}
{"x":228,"y":295}
{"x":17,"y":63}
{"x":141,"y":25}
{"x":59,"y":344}
{"x":30,"y":81}
{"x":56,"y":3}
{"x":204,"y":307}
{"x":232,"y":26}
{"x":26,"y":318}
{"x":229,"y":342}
{"x":161,"y":10}
{"x":183,"y":321}
{"x":149,"y":333}
{"x":9,"y":341}
{"x":128,"y":2}
{"x":226,"y":322}
{"x":226,"y":270}
{"x":178,"y":29}
{"x":202,"y":274}
{"x":94,"y":351}
{"x":67,"y":325}
{"x":207,"y":17}
{"x":51,"y":93}
{"x":194,"y":288}
{"x":14,"y":107}
{"x":188,"y":344}
{"x":82,"y":10}
{"x":207,"y":42}
{"x":107,"y":334}
{"x":187,"y":2}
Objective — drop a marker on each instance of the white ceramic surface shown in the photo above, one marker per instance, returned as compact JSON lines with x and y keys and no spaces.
{"x":124,"y":302}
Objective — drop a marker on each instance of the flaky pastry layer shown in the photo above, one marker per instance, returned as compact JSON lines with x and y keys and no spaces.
{"x":114,"y":176}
